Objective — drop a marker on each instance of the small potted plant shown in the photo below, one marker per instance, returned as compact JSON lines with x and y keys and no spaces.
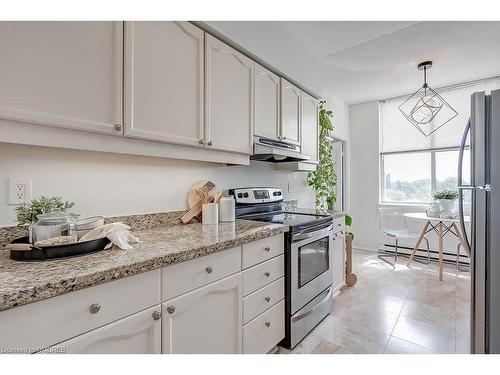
{"x":27,"y":214}
{"x":446,"y":199}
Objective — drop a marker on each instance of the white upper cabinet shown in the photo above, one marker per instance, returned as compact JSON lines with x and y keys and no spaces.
{"x":309,"y":126}
{"x":290,"y":112}
{"x":137,"y":334}
{"x":164,"y":82}
{"x":65,"y":74}
{"x":229,"y":78}
{"x":206,"y":320}
{"x":267,"y":103}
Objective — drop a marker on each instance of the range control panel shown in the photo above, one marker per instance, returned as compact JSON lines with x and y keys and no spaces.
{"x":256,"y":195}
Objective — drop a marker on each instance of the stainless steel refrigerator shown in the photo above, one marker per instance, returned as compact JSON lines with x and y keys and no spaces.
{"x":483,"y":135}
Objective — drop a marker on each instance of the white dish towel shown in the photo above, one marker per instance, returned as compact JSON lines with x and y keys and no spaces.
{"x":117,"y":233}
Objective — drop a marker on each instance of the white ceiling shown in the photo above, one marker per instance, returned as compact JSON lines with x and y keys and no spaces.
{"x":360,"y":61}
{"x":386,"y":66}
{"x":328,"y":37}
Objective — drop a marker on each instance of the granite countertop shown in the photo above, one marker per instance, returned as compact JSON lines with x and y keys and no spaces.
{"x":25,"y":282}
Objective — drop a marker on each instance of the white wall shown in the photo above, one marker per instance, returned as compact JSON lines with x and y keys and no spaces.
{"x":363,"y":180}
{"x":114,"y":184}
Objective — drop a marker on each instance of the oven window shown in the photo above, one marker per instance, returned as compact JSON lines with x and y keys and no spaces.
{"x":313,"y":260}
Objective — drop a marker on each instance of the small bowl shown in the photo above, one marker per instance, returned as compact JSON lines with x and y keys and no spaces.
{"x":86,"y":224}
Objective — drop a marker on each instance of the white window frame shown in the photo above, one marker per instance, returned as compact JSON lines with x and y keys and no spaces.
{"x":433,"y":152}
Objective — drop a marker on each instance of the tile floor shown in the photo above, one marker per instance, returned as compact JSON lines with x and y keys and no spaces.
{"x":402,"y":310}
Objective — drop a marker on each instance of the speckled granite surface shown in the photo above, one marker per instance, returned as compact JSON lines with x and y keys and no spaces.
{"x":26,"y":282}
{"x":136,"y":222}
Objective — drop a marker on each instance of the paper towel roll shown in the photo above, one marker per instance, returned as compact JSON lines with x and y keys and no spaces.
{"x":226,"y":209}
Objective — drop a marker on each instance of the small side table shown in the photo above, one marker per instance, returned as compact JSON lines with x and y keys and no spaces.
{"x":441,"y":226}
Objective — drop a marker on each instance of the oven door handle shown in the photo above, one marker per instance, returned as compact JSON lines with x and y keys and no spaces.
{"x":303,"y":236}
{"x":313,"y":309}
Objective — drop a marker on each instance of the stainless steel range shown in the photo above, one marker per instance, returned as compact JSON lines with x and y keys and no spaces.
{"x":308,"y":258}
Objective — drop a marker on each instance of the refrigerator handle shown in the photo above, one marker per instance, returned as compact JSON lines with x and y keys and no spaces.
{"x":461,"y":187}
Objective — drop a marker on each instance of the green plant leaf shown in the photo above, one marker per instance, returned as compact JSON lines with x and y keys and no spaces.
{"x":348,"y":220}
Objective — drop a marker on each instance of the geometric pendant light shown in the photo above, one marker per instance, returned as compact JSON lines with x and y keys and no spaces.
{"x":426,"y":109}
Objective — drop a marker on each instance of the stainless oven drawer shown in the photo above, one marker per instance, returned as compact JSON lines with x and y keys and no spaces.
{"x":308,"y":317}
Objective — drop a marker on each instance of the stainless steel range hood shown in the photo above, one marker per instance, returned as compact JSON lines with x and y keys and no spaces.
{"x":276,"y":152}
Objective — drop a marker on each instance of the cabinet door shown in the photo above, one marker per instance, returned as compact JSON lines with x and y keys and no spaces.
{"x":338,"y":260}
{"x":65,"y":74}
{"x":267,"y":103}
{"x":290,"y":112}
{"x":309,"y":126}
{"x":137,"y":334}
{"x":229,"y":78}
{"x":164,"y":81}
{"x":206,"y":320}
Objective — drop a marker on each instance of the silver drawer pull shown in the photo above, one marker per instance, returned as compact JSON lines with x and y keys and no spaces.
{"x":267,"y":248}
{"x":267,"y":274}
{"x":118,"y":127}
{"x":171,"y":309}
{"x":209,"y":269}
{"x":267,"y":299}
{"x":268,"y":324}
{"x":156,"y":315}
{"x":94,"y":308}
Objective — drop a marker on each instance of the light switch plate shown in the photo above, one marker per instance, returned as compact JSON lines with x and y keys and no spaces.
{"x":19,"y":190}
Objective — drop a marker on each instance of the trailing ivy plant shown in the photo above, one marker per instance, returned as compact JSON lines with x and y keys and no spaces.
{"x":324,"y":179}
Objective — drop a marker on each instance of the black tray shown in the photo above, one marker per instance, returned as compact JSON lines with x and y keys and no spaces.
{"x":55,"y":252}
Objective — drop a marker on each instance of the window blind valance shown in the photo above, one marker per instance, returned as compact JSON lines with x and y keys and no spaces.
{"x":397,"y":134}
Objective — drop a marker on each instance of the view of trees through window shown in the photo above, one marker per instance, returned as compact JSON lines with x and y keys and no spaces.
{"x":412,"y":177}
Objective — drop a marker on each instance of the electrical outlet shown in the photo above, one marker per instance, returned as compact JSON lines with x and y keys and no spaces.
{"x":19,"y":190}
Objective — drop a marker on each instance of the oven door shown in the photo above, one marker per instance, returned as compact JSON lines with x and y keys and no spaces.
{"x":311,"y":266}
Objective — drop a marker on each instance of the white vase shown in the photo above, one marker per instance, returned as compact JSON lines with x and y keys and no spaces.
{"x":447,"y":206}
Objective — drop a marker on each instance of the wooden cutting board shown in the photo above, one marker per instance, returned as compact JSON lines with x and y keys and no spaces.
{"x":194,"y":196}
{"x":194,"y":199}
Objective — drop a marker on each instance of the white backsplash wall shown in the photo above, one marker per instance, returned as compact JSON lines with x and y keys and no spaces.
{"x":114,"y":184}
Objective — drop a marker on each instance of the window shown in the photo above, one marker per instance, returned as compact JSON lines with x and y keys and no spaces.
{"x":412,"y":166}
{"x":412,"y":177}
{"x":407,"y":177}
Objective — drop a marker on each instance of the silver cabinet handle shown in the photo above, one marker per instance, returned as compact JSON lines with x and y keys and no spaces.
{"x":171,"y":309}
{"x":118,"y":127}
{"x":201,"y":141}
{"x":267,"y":299}
{"x":267,"y":248}
{"x":210,"y":143}
{"x":156,"y":315}
{"x":94,"y":308}
{"x":267,"y":274}
{"x":268,"y":324}
{"x":209,"y":269}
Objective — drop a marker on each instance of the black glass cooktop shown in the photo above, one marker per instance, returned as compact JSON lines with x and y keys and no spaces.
{"x":296,"y":221}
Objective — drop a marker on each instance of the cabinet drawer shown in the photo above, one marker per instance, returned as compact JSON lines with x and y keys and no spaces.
{"x":262,"y":274}
{"x":264,"y":332}
{"x":260,"y":300}
{"x":183,"y":277}
{"x":261,"y":250}
{"x":53,"y":320}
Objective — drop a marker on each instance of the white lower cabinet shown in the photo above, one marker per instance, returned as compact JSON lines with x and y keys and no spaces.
{"x":265,"y":331}
{"x":206,"y":320}
{"x":137,"y":334}
{"x":197,"y":307}
{"x":338,"y":260}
